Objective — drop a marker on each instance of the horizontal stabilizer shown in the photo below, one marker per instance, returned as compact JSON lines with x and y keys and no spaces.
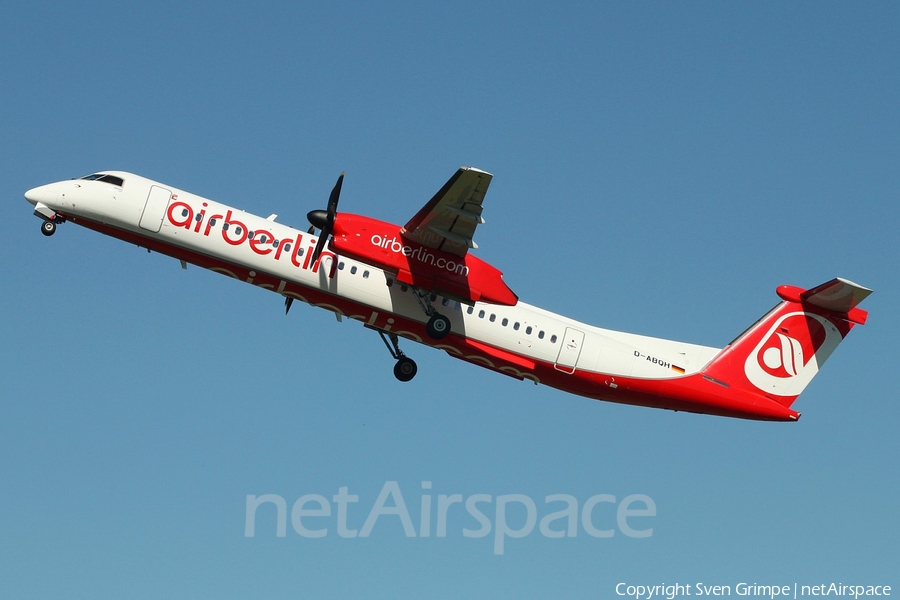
{"x":838,"y":295}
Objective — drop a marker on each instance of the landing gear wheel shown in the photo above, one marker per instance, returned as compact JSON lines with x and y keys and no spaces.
{"x":438,"y":326}
{"x":48,"y":228}
{"x":405,"y":369}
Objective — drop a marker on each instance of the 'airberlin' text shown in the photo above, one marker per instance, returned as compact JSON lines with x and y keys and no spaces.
{"x":420,"y":254}
{"x":262,"y":242}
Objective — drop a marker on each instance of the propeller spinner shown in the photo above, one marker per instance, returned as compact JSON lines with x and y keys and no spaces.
{"x":324,"y":219}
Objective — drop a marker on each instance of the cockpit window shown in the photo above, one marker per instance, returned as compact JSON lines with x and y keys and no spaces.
{"x":117,"y":181}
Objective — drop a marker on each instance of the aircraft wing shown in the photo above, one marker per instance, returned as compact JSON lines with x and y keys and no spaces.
{"x":449,"y":219}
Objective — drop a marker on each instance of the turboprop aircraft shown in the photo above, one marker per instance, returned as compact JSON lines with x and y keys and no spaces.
{"x":421,"y":282}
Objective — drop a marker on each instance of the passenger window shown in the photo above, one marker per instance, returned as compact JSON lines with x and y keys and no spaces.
{"x":353,"y":270}
{"x":212,"y":222}
{"x":504,"y":322}
{"x":528,"y":330}
{"x":516,"y":326}
{"x":365,"y":274}
{"x":446,"y":301}
{"x":341,"y":266}
{"x":237,"y":230}
{"x":287,"y":247}
{"x":250,"y":235}
{"x":493,"y":318}
{"x":300,"y":252}
{"x":184,"y":212}
{"x":198,"y":218}
{"x":275,"y":243}
{"x":540,"y":335}
{"x":481,"y":314}
{"x":389,"y":282}
{"x":553,"y":339}
{"x":403,"y":287}
{"x":470,"y":310}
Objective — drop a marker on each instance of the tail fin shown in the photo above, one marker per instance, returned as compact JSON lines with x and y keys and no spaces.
{"x":781,"y":353}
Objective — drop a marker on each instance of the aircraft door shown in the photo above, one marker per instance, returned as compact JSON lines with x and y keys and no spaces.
{"x":570,"y":351}
{"x":155,"y":208}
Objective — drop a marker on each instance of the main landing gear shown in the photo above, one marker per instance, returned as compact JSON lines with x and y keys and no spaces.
{"x":406,"y":368}
{"x":438,"y":326}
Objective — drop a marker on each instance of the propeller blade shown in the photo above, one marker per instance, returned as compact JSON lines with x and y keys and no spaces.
{"x":324,"y":219}
{"x":335,"y":195}
{"x":287,"y":304}
{"x":318,"y":250}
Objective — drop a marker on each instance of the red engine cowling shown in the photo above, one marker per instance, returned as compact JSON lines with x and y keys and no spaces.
{"x":465,"y":278}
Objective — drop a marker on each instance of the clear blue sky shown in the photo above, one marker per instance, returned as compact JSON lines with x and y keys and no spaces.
{"x":658,"y":168}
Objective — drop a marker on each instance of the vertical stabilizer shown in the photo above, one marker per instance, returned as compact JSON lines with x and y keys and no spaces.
{"x":781,"y":353}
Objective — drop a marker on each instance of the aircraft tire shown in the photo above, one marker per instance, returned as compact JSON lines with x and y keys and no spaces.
{"x":438,"y":327}
{"x":405,"y":369}
{"x":48,"y":228}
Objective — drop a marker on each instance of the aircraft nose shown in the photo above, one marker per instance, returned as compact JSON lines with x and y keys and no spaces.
{"x":46,"y":194}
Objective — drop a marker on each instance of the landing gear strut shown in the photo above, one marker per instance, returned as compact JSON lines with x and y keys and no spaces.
{"x":438,"y":326}
{"x":406,"y":368}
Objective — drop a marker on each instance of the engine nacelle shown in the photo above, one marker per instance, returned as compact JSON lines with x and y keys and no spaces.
{"x":381,"y":244}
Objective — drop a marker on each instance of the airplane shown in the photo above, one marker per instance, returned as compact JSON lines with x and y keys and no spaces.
{"x":421,"y":282}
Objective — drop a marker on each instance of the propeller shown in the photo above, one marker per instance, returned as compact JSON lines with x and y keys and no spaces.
{"x":324,"y":219}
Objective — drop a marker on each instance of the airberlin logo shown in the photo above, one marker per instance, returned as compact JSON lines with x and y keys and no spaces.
{"x":262,"y":242}
{"x":420,"y":254}
{"x":789,"y":354}
{"x":786,"y":360}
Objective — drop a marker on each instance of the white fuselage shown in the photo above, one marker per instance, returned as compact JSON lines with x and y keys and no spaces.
{"x":517,"y":340}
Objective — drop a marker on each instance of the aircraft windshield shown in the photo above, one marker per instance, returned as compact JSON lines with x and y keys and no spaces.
{"x":117,"y":181}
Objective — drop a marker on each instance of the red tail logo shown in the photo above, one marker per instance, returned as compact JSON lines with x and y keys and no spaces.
{"x":784,"y":355}
{"x":788,"y":355}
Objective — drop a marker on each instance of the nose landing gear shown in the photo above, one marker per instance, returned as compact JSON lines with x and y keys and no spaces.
{"x":49,"y":219}
{"x":48,"y":228}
